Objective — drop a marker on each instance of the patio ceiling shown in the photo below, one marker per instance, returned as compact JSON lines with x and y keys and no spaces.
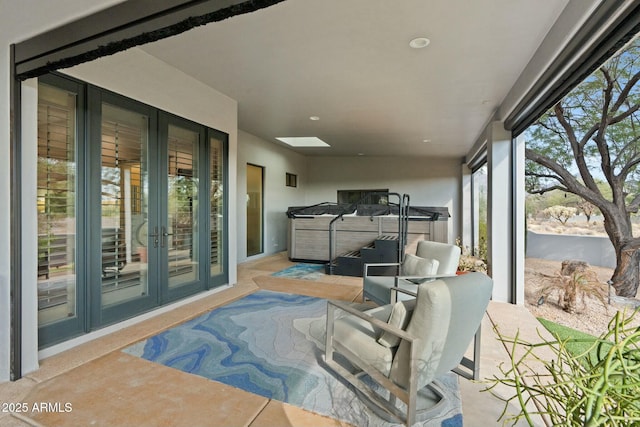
{"x":349,"y":63}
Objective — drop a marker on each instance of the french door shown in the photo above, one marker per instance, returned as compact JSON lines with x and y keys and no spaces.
{"x":182,"y":247}
{"x":121,"y":171}
{"x":132,"y":218}
{"x":152,"y":251}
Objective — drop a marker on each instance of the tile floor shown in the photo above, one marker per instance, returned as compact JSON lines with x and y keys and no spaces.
{"x":95,"y":384}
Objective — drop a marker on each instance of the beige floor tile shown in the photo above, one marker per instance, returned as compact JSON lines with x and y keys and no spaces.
{"x":278,"y":414}
{"x":309,"y":287}
{"x":9,"y":420}
{"x":481,"y":409}
{"x":15,"y":391}
{"x":272,"y":263}
{"x":120,"y":390}
{"x":13,"y":394}
{"x":345,"y":280}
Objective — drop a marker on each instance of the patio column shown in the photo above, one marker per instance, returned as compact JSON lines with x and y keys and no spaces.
{"x":466,"y":212}
{"x":519,"y":224}
{"x":499,"y":216}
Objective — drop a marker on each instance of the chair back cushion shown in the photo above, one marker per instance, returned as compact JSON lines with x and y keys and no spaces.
{"x":447,"y":315}
{"x":400,"y":315}
{"x":447,"y":255}
{"x":417,"y":266}
{"x":361,"y":337}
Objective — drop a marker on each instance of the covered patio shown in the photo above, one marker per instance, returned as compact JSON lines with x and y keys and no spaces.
{"x":396,"y":119}
{"x":107,"y":387}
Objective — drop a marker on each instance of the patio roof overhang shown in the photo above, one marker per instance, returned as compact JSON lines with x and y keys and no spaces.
{"x":120,"y":27}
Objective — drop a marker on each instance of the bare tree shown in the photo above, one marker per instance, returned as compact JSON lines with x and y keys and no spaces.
{"x":560,"y":213}
{"x":593,"y":134}
{"x":587,"y":208}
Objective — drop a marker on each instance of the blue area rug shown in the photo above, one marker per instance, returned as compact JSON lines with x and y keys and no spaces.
{"x":271,"y":344}
{"x":304,"y":271}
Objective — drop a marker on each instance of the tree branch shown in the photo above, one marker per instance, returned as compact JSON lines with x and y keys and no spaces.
{"x":552,"y":129}
{"x":577,"y":148}
{"x":551,"y":188}
{"x":543,"y":175}
{"x":572,"y":185}
{"x":634,"y":205}
{"x":632,"y":245}
{"x":624,"y":93}
{"x":626,"y":169}
{"x":599,"y":137}
{"x":617,"y":119}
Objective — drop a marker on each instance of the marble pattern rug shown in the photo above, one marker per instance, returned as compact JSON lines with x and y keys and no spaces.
{"x":271,"y":344}
{"x":302,"y":270}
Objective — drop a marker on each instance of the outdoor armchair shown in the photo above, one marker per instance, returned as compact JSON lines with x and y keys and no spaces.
{"x":404,"y":347}
{"x":432,"y":260}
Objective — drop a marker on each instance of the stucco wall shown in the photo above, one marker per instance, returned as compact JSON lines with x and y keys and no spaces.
{"x":428,"y":181}
{"x":558,"y":247}
{"x":277,"y":161}
{"x":433,"y":182}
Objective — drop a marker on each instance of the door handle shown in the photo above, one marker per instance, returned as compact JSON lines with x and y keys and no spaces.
{"x":155,"y":236}
{"x":164,"y":236}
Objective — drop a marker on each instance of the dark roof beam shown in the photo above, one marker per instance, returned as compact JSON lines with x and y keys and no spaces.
{"x":120,"y":27}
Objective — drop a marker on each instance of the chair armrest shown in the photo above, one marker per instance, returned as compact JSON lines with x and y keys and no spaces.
{"x":412,"y":280}
{"x":396,"y":289}
{"x":367,"y":318}
{"x":379,"y":264}
{"x":416,"y":280}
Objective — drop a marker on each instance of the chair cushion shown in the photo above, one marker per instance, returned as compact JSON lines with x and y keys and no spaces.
{"x":360,"y":337}
{"x":399,"y":318}
{"x":448,"y":255}
{"x":430,"y":322}
{"x":417,"y":266}
{"x":378,"y":288}
{"x":446,"y":317}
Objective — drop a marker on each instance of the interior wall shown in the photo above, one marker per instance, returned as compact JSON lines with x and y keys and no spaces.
{"x":428,"y":181}
{"x":17,"y":24}
{"x":277,"y":161}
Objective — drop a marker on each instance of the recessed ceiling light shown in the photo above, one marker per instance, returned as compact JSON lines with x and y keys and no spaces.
{"x":303,"y":141}
{"x":419,"y":42}
{"x":360,"y":154}
{"x":314,"y":118}
{"x":426,"y":140}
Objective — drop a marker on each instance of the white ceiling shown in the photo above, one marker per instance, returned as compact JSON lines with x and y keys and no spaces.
{"x":349,"y":63}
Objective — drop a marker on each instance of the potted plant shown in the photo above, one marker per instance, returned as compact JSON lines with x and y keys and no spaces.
{"x":468,"y":261}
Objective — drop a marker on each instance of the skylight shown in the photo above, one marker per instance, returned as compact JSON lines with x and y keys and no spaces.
{"x":303,"y":141}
